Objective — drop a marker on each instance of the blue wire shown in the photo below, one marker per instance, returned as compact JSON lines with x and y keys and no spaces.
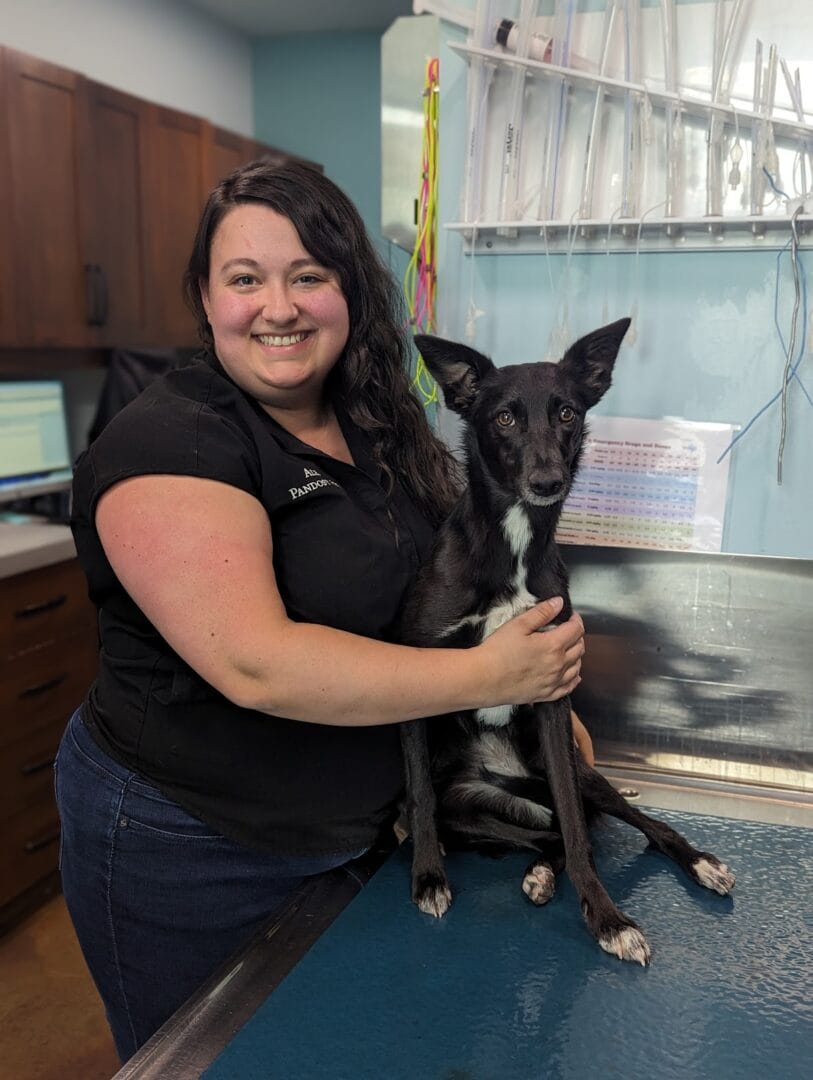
{"x":772,"y":182}
{"x":792,"y":374}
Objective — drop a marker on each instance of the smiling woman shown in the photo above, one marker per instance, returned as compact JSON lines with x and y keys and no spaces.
{"x":249,"y":527}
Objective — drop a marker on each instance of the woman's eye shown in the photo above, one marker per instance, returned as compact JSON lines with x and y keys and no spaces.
{"x":566,"y":414}
{"x":243,"y":279}
{"x":308,"y":279}
{"x":505,"y":418}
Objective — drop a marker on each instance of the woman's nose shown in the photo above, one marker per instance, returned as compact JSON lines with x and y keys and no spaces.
{"x":279,"y":305}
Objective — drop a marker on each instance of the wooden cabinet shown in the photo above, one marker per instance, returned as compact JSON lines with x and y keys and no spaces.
{"x":48,"y":652}
{"x":112,"y":152}
{"x":174,"y":200}
{"x":100,"y":195}
{"x":49,"y":280}
{"x":7,"y":321}
{"x":225,"y":151}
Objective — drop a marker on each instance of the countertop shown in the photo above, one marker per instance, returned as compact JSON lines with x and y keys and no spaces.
{"x":28,"y":545}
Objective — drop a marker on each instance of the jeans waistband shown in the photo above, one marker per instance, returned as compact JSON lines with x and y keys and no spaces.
{"x":84,"y":742}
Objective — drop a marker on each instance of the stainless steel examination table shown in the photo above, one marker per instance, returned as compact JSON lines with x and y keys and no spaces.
{"x":352,"y":982}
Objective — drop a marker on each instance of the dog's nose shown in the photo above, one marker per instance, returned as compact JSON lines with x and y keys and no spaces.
{"x":544,"y":486}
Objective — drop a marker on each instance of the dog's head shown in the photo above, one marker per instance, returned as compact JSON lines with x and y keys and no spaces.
{"x":525,"y":423}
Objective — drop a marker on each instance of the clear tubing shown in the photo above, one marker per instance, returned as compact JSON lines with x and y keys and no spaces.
{"x":558,"y":90}
{"x":714,"y":134}
{"x":771,"y":162}
{"x":722,"y":86}
{"x":757,"y":153}
{"x":726,"y":35}
{"x":590,"y":150}
{"x":632,"y":104}
{"x":674,"y":125}
{"x":794,"y":85}
{"x":481,"y":73}
{"x":509,"y":208}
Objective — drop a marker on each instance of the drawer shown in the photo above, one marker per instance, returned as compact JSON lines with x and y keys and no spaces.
{"x":29,"y":849}
{"x":42,"y":605}
{"x":44,"y":685}
{"x":26,"y":771}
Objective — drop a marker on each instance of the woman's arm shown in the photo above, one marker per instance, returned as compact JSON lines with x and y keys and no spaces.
{"x":196,"y":557}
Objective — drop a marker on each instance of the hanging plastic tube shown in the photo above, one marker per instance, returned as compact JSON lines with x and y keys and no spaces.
{"x":757,"y":155}
{"x":764,"y":161}
{"x":509,"y":205}
{"x":558,"y":92}
{"x":674,"y":122}
{"x":481,"y":74}
{"x":726,"y":35}
{"x":591,"y":147}
{"x":630,"y":175}
{"x":794,"y":85}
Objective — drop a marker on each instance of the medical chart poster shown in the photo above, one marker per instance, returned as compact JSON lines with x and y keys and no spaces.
{"x":649,"y":484}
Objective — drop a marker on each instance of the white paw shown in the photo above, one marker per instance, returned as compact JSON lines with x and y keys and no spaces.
{"x":627,"y":944}
{"x":713,"y":874}
{"x":539,"y":883}
{"x":435,"y":901}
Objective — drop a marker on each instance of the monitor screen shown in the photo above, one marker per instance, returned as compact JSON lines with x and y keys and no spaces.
{"x":34,"y":453}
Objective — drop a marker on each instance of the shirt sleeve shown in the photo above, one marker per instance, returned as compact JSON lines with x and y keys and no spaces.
{"x":165,"y":434}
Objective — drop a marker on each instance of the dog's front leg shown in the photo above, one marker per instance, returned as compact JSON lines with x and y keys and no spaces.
{"x":612,"y":929}
{"x":430,"y":887}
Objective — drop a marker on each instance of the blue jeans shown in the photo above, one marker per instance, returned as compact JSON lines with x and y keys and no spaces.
{"x":158,"y":899}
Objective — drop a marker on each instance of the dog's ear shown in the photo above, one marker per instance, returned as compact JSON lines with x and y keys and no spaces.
{"x":590,"y":361}
{"x":458,"y":369}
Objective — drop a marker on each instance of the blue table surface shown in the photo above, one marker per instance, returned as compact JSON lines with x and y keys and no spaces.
{"x":500,"y":989}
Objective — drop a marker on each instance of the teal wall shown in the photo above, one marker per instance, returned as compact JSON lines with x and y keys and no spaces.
{"x":319,"y":95}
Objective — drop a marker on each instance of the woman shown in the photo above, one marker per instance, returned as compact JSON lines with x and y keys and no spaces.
{"x":248,"y":527}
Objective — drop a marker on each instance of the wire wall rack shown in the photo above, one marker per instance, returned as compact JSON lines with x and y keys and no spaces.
{"x":667,"y":127}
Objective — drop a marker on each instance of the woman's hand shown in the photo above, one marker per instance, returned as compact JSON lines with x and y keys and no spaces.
{"x":529,"y":666}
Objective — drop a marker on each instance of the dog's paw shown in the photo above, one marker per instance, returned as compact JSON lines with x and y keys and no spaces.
{"x":713,"y":874}
{"x":539,"y":883}
{"x":627,"y":943}
{"x":432,"y":894}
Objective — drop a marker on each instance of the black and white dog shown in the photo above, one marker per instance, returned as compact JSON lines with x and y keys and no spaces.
{"x":509,"y":778}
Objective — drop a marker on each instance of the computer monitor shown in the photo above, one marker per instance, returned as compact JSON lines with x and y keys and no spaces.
{"x":34,"y":454}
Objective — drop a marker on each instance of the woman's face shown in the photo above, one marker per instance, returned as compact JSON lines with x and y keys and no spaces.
{"x":279,"y":319}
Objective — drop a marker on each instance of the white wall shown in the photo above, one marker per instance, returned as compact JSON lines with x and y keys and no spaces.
{"x":165,"y":51}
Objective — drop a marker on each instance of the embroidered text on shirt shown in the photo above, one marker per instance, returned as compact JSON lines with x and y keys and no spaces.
{"x":322,"y":481}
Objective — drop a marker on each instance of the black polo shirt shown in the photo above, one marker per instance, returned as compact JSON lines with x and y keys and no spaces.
{"x":343,"y":555}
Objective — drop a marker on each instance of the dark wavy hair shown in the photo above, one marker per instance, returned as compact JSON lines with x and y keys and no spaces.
{"x":370,"y":378}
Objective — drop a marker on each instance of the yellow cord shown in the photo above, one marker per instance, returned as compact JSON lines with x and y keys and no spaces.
{"x":420,"y":279}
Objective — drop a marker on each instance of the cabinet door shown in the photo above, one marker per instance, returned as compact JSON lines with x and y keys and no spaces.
{"x":173,"y":199}
{"x":112,"y":151}
{"x":49,"y":286}
{"x":7,"y":326}
{"x":224,"y":151}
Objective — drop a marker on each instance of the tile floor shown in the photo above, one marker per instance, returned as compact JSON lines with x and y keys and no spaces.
{"x":52,"y":1024}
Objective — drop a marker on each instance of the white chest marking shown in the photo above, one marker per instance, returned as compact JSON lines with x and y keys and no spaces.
{"x":516,"y":527}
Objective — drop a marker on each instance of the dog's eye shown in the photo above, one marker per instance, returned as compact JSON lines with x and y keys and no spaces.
{"x":505,"y":418}
{"x":567,"y":415}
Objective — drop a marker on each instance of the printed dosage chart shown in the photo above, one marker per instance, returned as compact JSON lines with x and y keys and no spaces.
{"x":649,"y":484}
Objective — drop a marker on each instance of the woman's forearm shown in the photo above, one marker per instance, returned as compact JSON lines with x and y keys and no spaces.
{"x":318,"y":674}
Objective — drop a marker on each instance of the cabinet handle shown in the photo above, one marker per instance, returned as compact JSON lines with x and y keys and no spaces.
{"x":102,"y":296}
{"x":32,"y":610}
{"x":43,"y":687}
{"x":38,"y":766}
{"x":96,"y":287}
{"x":90,"y":292}
{"x":41,"y":842}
